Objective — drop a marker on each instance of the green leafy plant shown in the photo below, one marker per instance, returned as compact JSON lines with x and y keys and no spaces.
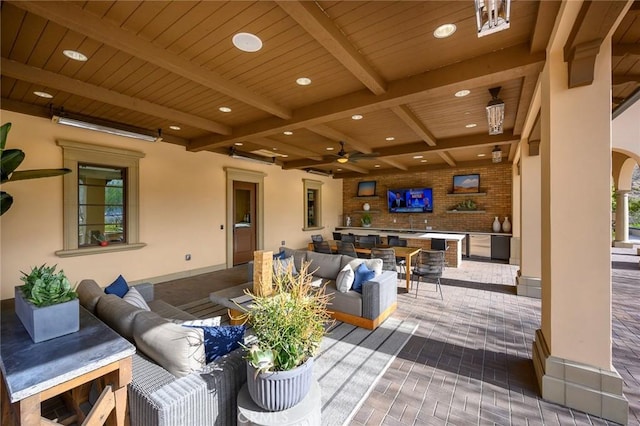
{"x":289,"y":323}
{"x":10,"y":159}
{"x":366,"y":219}
{"x":466,"y":205}
{"x":44,"y":287}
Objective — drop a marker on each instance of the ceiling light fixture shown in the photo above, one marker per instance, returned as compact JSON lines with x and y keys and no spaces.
{"x":303,"y":81}
{"x":390,"y":138}
{"x":330,"y":148}
{"x":470,"y":125}
{"x":444,"y":31}
{"x":224,"y":109}
{"x":495,"y":112}
{"x":462,"y":93}
{"x":234,"y":153}
{"x":75,"y":55}
{"x":342,"y":160}
{"x":356,"y":117}
{"x":482,"y":155}
{"x":492,"y":16}
{"x":288,"y":132}
{"x":43,"y":94}
{"x":175,"y":127}
{"x":423,"y":161}
{"x":247,"y":42}
{"x":417,"y":157}
{"x":377,"y":166}
{"x":238,"y":144}
{"x":496,"y":155}
{"x":117,"y":129}
{"x":318,"y":172}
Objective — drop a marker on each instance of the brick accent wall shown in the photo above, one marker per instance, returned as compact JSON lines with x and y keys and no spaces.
{"x":495,"y":180}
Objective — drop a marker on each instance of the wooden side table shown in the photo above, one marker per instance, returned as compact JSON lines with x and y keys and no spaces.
{"x":35,"y":372}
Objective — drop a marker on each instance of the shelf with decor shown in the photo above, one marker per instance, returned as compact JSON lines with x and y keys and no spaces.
{"x":466,"y":211}
{"x":466,"y":194}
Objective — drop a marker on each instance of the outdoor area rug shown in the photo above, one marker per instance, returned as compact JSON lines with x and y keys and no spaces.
{"x":350,"y":362}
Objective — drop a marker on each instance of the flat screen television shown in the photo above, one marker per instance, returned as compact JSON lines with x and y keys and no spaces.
{"x":412,"y":200}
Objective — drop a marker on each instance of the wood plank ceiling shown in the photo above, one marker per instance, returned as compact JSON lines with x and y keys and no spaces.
{"x":156,"y":64}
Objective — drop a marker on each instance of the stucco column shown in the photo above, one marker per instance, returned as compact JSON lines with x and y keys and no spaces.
{"x":529,"y":282}
{"x":572,"y":350}
{"x":514,"y":256}
{"x":622,"y":220}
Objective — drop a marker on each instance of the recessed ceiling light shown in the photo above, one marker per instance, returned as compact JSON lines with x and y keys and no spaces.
{"x":482,"y":155}
{"x":224,"y":109}
{"x":390,"y":138}
{"x":470,"y":125}
{"x":377,"y":165}
{"x":444,"y":31}
{"x":43,"y":94}
{"x":247,"y":42}
{"x":238,"y":144}
{"x":303,"y":81}
{"x":339,"y":170}
{"x":423,"y":161}
{"x":285,"y":155}
{"x":75,"y":55}
{"x":418,"y":156}
{"x":288,"y":132}
{"x":356,"y":117}
{"x":274,"y":148}
{"x":462,"y":93}
{"x":330,"y":148}
{"x":174,"y":127}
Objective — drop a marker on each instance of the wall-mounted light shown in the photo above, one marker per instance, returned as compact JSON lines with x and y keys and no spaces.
{"x":495,"y":112}
{"x":496,"y":155}
{"x":492,"y":16}
{"x":104,"y":127}
{"x":234,"y":153}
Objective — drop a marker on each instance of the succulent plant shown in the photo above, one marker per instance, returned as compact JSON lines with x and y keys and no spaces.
{"x":44,"y":287}
{"x":10,"y":159}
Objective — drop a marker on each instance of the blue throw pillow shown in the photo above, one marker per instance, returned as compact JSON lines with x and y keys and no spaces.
{"x":119,"y":287}
{"x":220,"y":340}
{"x":279,"y":256}
{"x":362,"y":275}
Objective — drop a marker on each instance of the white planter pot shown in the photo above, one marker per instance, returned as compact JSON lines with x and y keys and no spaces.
{"x":280,"y":390}
{"x":47,"y":322}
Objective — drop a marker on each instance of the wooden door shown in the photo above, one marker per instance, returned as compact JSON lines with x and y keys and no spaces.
{"x":244,"y":221}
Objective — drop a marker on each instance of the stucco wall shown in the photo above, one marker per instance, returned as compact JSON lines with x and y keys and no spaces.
{"x":182,"y":205}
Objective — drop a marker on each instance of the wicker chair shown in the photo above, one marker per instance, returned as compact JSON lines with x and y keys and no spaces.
{"x":322,"y":247}
{"x":429,"y":266}
{"x":388,"y":256}
{"x":397,"y":242}
{"x":346,"y":248}
{"x":440,"y":244}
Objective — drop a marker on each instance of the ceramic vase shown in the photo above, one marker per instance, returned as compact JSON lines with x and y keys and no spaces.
{"x":366,"y":207}
{"x":496,"y":225}
{"x":506,"y":225}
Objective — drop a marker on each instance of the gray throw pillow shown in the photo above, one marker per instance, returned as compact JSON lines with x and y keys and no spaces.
{"x":345,"y":279}
{"x":134,"y":297}
{"x":280,"y":266}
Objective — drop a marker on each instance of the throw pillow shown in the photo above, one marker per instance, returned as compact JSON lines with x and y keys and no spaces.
{"x":373,"y":264}
{"x":362,"y":275}
{"x":134,"y":297}
{"x":219,"y":341}
{"x":280,"y":266}
{"x":205,"y":322}
{"x":345,"y":278}
{"x":119,"y":287}
{"x":280,"y":255}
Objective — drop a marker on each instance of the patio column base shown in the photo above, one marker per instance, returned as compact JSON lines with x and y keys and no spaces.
{"x":579,"y":386}
{"x":529,"y":286}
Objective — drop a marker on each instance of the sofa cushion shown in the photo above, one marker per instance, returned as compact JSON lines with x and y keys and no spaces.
{"x":179,"y":350}
{"x":117,"y":314}
{"x":362,"y":275}
{"x":348,"y":303}
{"x":345,"y":279}
{"x":324,"y":265}
{"x":374,"y":264}
{"x":166,"y":310}
{"x":89,"y":292}
{"x":134,"y":297}
{"x":119,"y":287}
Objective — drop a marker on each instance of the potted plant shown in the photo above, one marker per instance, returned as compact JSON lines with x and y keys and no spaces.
{"x":289,"y":325}
{"x":366,"y":220}
{"x":101,"y":239}
{"x":47,"y":305}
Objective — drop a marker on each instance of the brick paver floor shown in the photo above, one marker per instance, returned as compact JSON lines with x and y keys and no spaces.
{"x":469,"y":362}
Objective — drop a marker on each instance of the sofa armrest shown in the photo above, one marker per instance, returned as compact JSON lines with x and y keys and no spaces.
{"x":206,"y":397}
{"x":379,"y":293}
{"x":146,"y":290}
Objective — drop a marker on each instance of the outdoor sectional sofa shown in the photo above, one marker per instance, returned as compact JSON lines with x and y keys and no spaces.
{"x":171,"y":383}
{"x":368,"y":309}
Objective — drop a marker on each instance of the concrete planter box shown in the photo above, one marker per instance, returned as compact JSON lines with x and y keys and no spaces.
{"x":47,"y":322}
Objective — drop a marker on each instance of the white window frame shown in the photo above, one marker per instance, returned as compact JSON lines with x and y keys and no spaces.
{"x":80,"y":152}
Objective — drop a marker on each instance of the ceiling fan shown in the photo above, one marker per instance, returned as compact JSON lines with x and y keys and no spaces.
{"x":354,"y":156}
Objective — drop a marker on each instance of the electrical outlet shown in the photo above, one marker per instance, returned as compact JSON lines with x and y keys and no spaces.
{"x":221,"y":226}
{"x":187,"y":257}
{"x":282,"y":243}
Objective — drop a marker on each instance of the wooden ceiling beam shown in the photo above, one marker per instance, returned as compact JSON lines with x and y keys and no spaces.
{"x":547,"y":12}
{"x":484,"y":70}
{"x":76,"y":19}
{"x":447,"y":158}
{"x":333,"y":134}
{"x":421,"y":168}
{"x":393,"y":163}
{"x":414,"y":123}
{"x":76,"y":87}
{"x":527,"y":90}
{"x":315,"y":21}
{"x":625,"y":49}
{"x":625,"y":78}
{"x":282,"y":147}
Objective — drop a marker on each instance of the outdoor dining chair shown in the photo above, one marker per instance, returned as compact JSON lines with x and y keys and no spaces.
{"x":388,"y":256}
{"x":346,"y":248}
{"x":367,"y":241}
{"x":337,"y":236}
{"x":322,"y":247}
{"x":429,"y":266}
{"x":440,"y":244}
{"x":398,"y":242}
{"x":316,"y":238}
{"x":348,"y":238}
